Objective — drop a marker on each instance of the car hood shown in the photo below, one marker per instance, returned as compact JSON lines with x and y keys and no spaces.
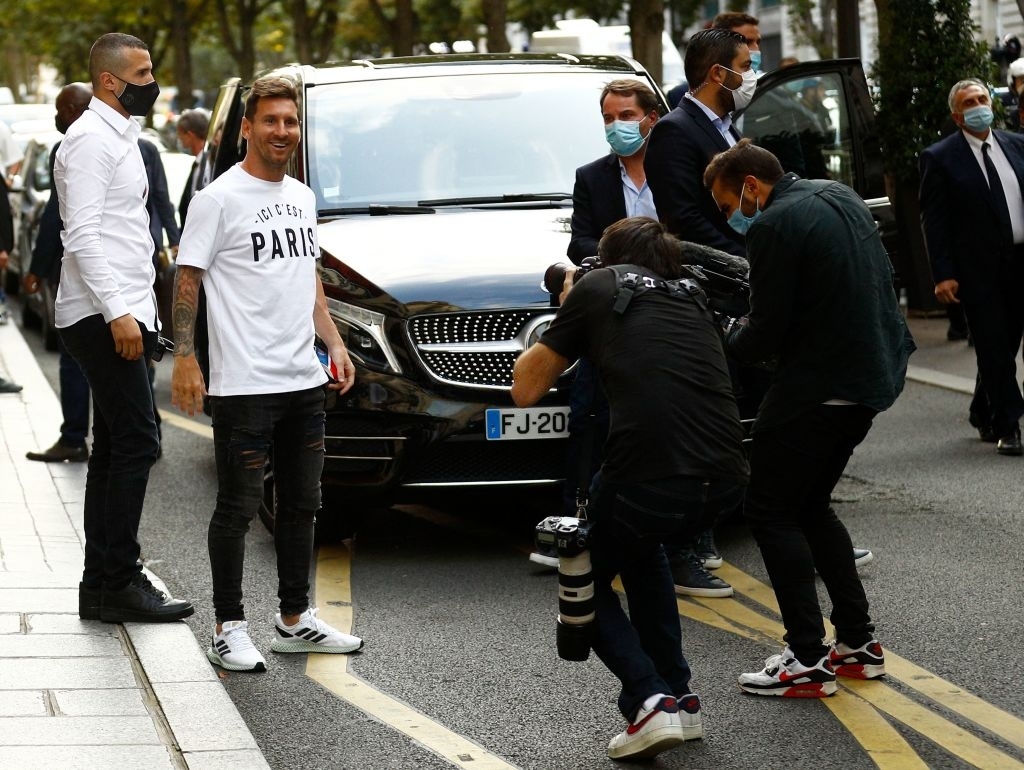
{"x":465,"y":258}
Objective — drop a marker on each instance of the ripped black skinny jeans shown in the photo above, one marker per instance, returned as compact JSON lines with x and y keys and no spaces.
{"x":247,"y":430}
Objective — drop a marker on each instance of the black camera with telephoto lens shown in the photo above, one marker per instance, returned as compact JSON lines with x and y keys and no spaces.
{"x":571,"y":539}
{"x":554,"y":276}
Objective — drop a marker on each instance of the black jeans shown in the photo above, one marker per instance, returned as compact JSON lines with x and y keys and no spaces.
{"x":793,"y":470}
{"x":74,"y":399}
{"x":245,"y":431}
{"x":124,"y":448}
{"x":631,"y":521}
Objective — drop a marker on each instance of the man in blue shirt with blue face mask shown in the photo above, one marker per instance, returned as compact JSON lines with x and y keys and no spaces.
{"x":615,"y":185}
{"x":608,"y":189}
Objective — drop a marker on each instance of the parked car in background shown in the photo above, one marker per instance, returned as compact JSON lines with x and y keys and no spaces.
{"x":29,"y":194}
{"x":819,"y":119}
{"x":444,"y":189}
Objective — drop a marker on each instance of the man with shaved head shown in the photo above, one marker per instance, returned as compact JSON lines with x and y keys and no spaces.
{"x":106,"y":315}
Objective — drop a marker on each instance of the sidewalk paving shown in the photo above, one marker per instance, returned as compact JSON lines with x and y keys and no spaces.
{"x":86,"y":694}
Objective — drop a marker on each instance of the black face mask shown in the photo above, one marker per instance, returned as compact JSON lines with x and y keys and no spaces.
{"x":138,"y":100}
{"x":60,"y":124}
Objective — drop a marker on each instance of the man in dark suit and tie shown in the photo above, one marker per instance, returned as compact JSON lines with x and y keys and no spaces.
{"x":192,"y":128}
{"x":718,"y":68}
{"x":972,"y":214}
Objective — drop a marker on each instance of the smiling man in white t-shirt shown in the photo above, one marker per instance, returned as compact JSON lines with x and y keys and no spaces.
{"x":250,"y":239}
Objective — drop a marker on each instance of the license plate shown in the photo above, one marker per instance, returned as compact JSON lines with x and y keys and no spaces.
{"x":535,"y":422}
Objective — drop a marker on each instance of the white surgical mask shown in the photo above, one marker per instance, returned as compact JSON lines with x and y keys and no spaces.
{"x":742,"y":95}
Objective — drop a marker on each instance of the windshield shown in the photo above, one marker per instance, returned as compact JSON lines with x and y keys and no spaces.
{"x":408,"y":140}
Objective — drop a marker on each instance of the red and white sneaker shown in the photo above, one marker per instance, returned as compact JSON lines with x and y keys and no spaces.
{"x":654,"y":730}
{"x":864,"y":662}
{"x":784,"y":675}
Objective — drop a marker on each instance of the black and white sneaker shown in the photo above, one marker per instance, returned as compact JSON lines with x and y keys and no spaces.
{"x":862,"y":556}
{"x":707,"y":551}
{"x":311,"y":634}
{"x":232,"y":649}
{"x":692,"y":579}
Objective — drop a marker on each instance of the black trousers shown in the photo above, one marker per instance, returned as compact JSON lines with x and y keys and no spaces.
{"x":995,"y":314}
{"x":793,"y":470}
{"x":124,"y":448}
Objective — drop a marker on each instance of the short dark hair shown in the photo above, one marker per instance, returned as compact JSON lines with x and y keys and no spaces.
{"x":641,"y":241}
{"x":269,"y":87}
{"x":195,"y":121}
{"x":645,"y":97}
{"x":733,"y":19}
{"x":708,"y":48}
{"x":107,"y":53}
{"x":741,"y":160}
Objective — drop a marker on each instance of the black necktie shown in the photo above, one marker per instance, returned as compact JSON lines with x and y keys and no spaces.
{"x":995,"y":188}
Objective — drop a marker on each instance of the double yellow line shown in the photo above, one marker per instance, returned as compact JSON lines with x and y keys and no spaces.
{"x":334,"y":595}
{"x":862,"y":707}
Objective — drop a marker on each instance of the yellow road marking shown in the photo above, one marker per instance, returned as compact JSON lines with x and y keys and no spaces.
{"x":334,"y":588}
{"x":882,"y":742}
{"x":997,"y":721}
{"x":949,"y":736}
{"x":180,"y":421}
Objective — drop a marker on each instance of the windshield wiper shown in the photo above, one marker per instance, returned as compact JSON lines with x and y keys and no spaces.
{"x":376,"y":209}
{"x":514,"y":198}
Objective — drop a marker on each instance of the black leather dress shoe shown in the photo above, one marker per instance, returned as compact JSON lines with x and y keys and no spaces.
{"x":89,"y":602}
{"x":142,"y":602}
{"x":61,"y":452}
{"x":1010,"y":445}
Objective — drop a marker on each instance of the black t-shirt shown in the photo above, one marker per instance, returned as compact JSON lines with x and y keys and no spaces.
{"x":663,"y":369}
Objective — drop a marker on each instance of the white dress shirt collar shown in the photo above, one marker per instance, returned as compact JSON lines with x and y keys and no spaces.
{"x":722,"y":124}
{"x":113,"y":118}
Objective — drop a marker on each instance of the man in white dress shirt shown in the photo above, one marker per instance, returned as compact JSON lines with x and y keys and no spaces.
{"x":106,"y":315}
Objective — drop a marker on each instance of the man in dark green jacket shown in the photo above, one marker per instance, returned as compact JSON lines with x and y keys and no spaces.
{"x":824,"y":313}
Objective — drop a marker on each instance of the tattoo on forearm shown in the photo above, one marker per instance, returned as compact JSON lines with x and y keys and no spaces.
{"x":186,"y":301}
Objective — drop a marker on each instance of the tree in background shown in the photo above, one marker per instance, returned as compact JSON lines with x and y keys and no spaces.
{"x":813,"y":24}
{"x":924,"y":47}
{"x":314,"y":25}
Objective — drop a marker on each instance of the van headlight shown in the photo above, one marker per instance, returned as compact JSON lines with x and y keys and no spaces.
{"x":362,"y":331}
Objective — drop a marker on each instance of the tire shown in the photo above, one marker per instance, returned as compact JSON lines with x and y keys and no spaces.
{"x":338,"y":519}
{"x":12,"y":283}
{"x":268,"y":506}
{"x":28,"y":318}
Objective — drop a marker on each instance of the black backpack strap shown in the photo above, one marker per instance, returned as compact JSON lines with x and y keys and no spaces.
{"x":630,"y":283}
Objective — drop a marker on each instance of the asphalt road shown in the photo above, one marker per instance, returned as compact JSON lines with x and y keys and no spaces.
{"x":459,"y":626}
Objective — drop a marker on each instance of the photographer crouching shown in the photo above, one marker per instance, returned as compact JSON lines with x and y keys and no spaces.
{"x":673,"y":460}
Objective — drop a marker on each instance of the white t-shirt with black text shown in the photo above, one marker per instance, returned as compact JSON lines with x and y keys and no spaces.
{"x":256,"y":240}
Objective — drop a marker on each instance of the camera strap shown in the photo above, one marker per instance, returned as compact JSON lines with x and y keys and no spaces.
{"x":631,"y":283}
